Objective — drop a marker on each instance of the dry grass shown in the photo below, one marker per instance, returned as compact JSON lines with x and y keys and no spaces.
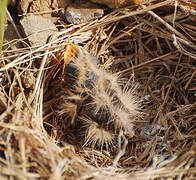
{"x":145,"y":46}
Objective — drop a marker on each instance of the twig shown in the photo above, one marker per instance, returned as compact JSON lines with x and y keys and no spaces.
{"x":13,"y":24}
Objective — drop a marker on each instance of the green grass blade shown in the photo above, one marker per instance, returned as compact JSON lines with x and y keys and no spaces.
{"x":3,"y":6}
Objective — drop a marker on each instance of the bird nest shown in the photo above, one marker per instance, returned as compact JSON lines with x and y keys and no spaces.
{"x":110,"y":99}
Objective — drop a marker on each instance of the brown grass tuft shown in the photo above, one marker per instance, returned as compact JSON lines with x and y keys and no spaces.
{"x":151,"y":47}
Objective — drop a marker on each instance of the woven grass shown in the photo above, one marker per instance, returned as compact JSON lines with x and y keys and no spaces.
{"x":154,"y":46}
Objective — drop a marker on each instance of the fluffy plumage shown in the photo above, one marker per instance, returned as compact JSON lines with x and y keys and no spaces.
{"x":104,"y":107}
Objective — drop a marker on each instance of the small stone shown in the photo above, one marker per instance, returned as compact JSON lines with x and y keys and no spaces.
{"x":114,"y":3}
{"x":82,"y":12}
{"x":28,"y":79}
{"x":60,"y":3}
{"x":37,"y":29}
{"x":23,"y":6}
{"x":41,"y":6}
